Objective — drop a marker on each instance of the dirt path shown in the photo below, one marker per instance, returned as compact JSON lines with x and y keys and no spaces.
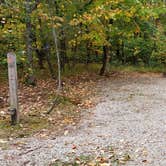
{"x":131,"y":117}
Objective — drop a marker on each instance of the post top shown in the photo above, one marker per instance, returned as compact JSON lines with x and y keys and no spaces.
{"x":11,"y":57}
{"x":11,"y":54}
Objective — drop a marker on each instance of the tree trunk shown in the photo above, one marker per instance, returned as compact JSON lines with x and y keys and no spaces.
{"x":106,"y":58}
{"x":40,"y":56}
{"x":96,"y":55}
{"x":55,"y":38}
{"x":30,"y":78}
{"x":58,"y":59}
{"x":45,"y":51}
{"x":88,"y":45}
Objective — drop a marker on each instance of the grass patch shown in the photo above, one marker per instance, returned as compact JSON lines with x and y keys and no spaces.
{"x":70,"y":70}
{"x":81,"y":68}
{"x":28,"y":125}
{"x":142,"y":69}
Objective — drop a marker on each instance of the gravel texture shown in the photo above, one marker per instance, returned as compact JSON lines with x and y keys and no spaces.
{"x":131,"y":117}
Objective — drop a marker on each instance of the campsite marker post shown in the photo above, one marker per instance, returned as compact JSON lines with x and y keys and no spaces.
{"x":12,"y":76}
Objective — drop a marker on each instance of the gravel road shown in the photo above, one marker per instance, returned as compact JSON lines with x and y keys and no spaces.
{"x":131,"y":117}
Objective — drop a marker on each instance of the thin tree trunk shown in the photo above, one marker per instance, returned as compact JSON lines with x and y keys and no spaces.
{"x":118,"y":55}
{"x":96,"y":55}
{"x":55,"y":37}
{"x":58,"y":58}
{"x":59,"y":71}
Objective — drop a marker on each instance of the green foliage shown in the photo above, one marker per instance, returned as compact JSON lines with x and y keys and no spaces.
{"x":135,"y":31}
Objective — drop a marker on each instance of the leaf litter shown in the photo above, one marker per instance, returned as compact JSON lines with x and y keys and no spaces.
{"x":78,"y":94}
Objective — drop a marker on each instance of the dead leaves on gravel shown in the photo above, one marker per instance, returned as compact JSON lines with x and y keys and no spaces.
{"x":111,"y":158}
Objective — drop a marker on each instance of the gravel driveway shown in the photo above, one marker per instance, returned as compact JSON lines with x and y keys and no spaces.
{"x":131,"y":117}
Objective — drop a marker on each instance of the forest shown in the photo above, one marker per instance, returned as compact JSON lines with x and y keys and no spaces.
{"x":121,"y":32}
{"x":72,"y":56}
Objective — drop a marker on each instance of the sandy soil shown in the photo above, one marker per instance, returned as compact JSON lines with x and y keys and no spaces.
{"x":131,"y":117}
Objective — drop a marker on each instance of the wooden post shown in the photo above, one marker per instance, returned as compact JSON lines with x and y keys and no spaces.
{"x":12,"y":75}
